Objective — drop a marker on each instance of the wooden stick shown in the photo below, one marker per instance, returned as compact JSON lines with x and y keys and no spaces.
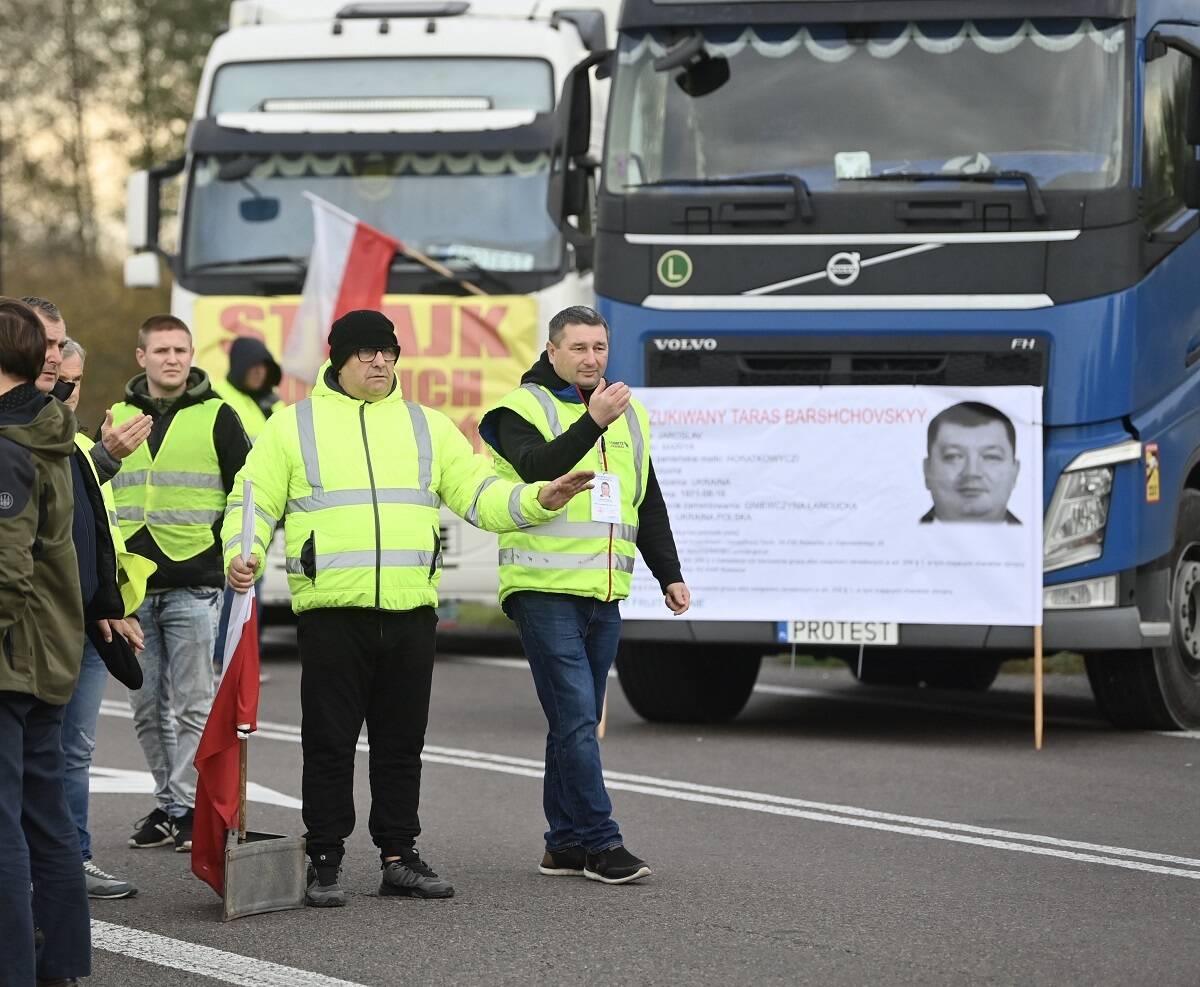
{"x":439,"y":268}
{"x":242,"y":745}
{"x":600,"y":728}
{"x":1037,"y":688}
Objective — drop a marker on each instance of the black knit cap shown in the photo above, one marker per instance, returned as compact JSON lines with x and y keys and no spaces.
{"x":361,"y":328}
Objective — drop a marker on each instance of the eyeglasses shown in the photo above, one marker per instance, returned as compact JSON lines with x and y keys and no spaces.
{"x":366,"y":354}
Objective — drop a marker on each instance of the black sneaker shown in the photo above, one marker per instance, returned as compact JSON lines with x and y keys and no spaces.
{"x":183,"y":831}
{"x":156,"y":829}
{"x":615,"y":866}
{"x":411,"y":877}
{"x":325,"y":889}
{"x":567,"y":862}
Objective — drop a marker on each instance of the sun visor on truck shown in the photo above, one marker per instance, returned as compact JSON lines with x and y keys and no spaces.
{"x":650,"y":14}
{"x":207,"y":136}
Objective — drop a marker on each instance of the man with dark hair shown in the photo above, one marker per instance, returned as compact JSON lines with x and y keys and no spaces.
{"x":561,"y":582}
{"x":971,"y":465}
{"x":41,"y":620}
{"x":170,"y":499}
{"x":357,"y":474}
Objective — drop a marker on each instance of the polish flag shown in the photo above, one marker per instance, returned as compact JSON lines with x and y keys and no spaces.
{"x":234,"y":715}
{"x":347,"y":270}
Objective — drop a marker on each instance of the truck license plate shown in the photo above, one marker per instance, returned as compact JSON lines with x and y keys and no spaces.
{"x":866,"y":632}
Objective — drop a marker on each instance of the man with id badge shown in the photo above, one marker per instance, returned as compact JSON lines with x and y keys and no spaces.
{"x":561,"y":583}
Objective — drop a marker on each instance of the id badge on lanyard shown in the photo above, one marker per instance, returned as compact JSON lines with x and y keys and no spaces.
{"x":606,"y":493}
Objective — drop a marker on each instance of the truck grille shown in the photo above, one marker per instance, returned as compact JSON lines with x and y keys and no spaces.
{"x":777,"y":361}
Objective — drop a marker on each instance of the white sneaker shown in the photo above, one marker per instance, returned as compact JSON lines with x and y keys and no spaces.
{"x":103,"y":885}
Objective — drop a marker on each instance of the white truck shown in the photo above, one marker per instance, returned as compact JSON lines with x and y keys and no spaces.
{"x":432,"y":120}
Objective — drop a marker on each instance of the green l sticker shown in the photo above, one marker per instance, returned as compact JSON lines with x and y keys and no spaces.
{"x":674,"y":268}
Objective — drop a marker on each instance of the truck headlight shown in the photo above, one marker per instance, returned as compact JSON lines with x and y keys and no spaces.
{"x":1078,"y":515}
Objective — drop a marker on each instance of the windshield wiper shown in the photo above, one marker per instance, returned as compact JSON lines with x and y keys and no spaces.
{"x":477,"y":273}
{"x":989,"y":177}
{"x":300,"y":263}
{"x":798,"y":184}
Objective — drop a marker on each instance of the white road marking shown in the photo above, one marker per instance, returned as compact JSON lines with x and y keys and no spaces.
{"x":230,"y":968}
{"x":1180,"y":734}
{"x":841,"y":815}
{"x":118,"y":781}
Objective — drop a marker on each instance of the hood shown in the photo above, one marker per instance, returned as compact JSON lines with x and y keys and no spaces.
{"x":247,"y":352}
{"x":39,"y":423}
{"x":542,"y":373}
{"x":199,"y":388}
{"x":328,"y":385}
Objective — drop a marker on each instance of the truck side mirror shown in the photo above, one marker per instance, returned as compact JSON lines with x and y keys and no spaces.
{"x":571,"y":166}
{"x":588,"y":22}
{"x":142,"y":218}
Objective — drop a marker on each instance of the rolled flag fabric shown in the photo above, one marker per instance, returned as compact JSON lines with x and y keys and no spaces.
{"x":347,"y":270}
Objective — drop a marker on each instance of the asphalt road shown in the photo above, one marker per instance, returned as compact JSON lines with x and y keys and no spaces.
{"x":833,"y":834}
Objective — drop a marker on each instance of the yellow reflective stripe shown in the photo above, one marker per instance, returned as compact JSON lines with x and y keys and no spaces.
{"x":639,"y":447}
{"x":236,"y":542}
{"x":514,"y":507}
{"x":324,"y":499}
{"x":424,"y":444}
{"x":563,"y":527}
{"x":565,"y":560}
{"x":307,"y":434}
{"x":393,"y":558}
{"x":548,"y":407}
{"x":113,"y":517}
{"x":178,"y":478}
{"x":129,"y":478}
{"x":472,"y":515}
{"x":130,"y":514}
{"x":183,"y":517}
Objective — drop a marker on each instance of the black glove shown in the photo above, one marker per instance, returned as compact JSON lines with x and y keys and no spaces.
{"x":117,"y":656}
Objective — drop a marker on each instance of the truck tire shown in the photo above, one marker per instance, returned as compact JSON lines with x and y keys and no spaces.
{"x":1159,"y":688}
{"x":668,"y":682}
{"x":911,"y":668}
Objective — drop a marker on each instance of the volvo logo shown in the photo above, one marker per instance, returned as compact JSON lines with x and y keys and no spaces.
{"x":682,"y":343}
{"x":843,"y":269}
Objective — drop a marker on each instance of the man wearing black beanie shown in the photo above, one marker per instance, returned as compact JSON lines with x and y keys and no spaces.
{"x":357,"y":475}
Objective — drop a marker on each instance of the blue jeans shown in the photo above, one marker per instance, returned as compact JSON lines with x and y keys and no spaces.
{"x":39,"y":847}
{"x":170,"y":708}
{"x":79,"y":739}
{"x":571,"y":642}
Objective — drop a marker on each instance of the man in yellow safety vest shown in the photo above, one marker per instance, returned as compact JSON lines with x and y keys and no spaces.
{"x":170,"y":498}
{"x":561,"y":582}
{"x":357,"y":475}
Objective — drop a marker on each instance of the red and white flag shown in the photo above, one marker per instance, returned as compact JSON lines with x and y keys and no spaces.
{"x":234,"y":710}
{"x":348,"y":270}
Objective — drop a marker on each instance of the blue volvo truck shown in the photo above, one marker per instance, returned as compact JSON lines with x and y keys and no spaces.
{"x":861,"y":192}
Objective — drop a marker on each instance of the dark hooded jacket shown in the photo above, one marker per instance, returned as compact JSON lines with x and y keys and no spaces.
{"x":522,"y":445}
{"x":41,"y":608}
{"x":247,"y":352}
{"x":229,"y":439}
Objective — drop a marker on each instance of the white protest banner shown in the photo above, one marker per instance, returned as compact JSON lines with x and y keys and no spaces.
{"x":792,"y":503}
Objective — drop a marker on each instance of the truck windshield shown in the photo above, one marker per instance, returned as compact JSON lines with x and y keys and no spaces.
{"x":479,"y":209}
{"x":500,"y":83}
{"x":830,"y":102}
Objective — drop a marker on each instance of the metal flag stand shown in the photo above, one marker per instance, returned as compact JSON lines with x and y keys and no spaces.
{"x":264,"y":872}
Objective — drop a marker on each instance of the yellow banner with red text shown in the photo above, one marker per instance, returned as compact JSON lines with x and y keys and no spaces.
{"x":459,"y":355}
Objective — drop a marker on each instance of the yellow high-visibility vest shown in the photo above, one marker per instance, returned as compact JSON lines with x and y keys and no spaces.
{"x":574,"y":554}
{"x":358,"y":485}
{"x":177,"y":494}
{"x":133,"y":571}
{"x":247,"y":408}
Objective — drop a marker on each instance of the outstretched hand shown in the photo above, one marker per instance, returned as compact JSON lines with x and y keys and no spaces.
{"x":556,"y":493}
{"x":121,"y":440}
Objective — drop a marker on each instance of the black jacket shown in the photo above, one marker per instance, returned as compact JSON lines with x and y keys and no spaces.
{"x":522,"y":445}
{"x":229,"y":439}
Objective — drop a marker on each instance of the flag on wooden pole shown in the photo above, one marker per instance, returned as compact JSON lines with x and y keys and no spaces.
{"x":234,"y":716}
